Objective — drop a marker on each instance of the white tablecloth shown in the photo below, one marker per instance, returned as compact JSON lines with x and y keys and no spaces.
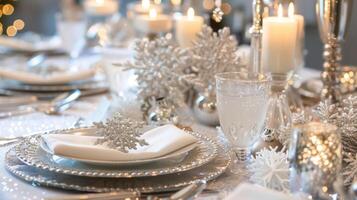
{"x":12,"y":188}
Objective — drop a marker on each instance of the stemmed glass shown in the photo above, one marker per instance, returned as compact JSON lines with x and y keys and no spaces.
{"x":242,"y":102}
{"x":72,"y":30}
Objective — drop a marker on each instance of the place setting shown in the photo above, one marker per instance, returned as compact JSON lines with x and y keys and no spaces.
{"x":177,"y":100}
{"x":96,"y":159}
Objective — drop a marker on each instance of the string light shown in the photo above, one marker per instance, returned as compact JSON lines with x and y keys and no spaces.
{"x":17,"y":25}
{"x":8,"y":9}
{"x":11,"y":31}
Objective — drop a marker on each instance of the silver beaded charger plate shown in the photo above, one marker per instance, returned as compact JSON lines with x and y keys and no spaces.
{"x":30,"y":152}
{"x":170,"y":182}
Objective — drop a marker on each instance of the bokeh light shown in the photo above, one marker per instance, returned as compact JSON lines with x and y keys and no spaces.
{"x":176,"y":2}
{"x":226,"y":8}
{"x":13,"y":27}
{"x":8,"y":9}
{"x":157,"y":1}
{"x":19,"y":24}
{"x":11,"y":31}
{"x":208,"y":4}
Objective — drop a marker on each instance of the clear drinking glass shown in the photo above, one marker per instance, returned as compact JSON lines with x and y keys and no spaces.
{"x":242,"y":101}
{"x":72,"y":30}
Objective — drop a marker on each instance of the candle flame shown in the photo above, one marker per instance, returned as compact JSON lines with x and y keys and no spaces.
{"x":145,"y":4}
{"x":176,"y":2}
{"x":280,"y":11}
{"x":191,"y":13}
{"x":99,"y":1}
{"x":152,"y":13}
{"x":291,"y":9}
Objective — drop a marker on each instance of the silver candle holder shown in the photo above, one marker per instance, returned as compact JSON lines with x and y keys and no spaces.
{"x":256,"y":32}
{"x":333,"y":18}
{"x":315,"y":157}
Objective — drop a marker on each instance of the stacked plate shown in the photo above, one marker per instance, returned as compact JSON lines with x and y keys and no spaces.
{"x":33,"y":161}
{"x":52,"y":78}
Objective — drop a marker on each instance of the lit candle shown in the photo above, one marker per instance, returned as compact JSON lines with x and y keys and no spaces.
{"x":187,"y":28}
{"x":154,"y":23}
{"x":145,"y":6}
{"x":101,"y":7}
{"x":176,"y":2}
{"x":279,"y":43}
{"x":157,"y":1}
{"x":300,"y":35}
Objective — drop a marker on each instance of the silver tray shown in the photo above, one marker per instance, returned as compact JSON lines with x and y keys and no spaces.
{"x":162,"y":183}
{"x":31,"y":153}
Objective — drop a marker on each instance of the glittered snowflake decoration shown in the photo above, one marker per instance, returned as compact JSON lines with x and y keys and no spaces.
{"x":159,"y":66}
{"x":212,"y":53}
{"x":349,"y":172}
{"x":120,"y":133}
{"x":270,"y":168}
{"x":326,"y":111}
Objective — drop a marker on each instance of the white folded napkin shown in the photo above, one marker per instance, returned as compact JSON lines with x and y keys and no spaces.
{"x":162,"y":141}
{"x":255,"y":192}
{"x":18,"y":44}
{"x":55,"y":78}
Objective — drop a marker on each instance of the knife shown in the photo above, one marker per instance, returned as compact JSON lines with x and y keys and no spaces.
{"x":99,"y":196}
{"x":187,"y":193}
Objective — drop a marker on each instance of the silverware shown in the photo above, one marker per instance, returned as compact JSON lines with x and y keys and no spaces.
{"x":9,"y":102}
{"x":36,"y":60}
{"x":59,"y":104}
{"x":187,"y":193}
{"x":190,"y":192}
{"x":100,"y":196}
{"x":5,"y":141}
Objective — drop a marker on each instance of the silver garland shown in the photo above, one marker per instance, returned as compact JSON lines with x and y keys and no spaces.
{"x":159,"y":66}
{"x":212,"y":53}
{"x":120,"y":133}
{"x":344,"y":116}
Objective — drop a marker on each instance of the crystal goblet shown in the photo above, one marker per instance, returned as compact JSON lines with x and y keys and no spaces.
{"x":242,"y":102}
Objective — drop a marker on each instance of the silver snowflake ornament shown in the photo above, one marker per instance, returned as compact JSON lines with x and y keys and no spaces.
{"x":159,"y":66}
{"x":212,"y":53}
{"x":120,"y":133}
{"x":270,"y":168}
{"x":349,"y":172}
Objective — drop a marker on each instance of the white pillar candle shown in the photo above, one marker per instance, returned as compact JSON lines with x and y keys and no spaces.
{"x":101,"y":7}
{"x":187,"y":28}
{"x":300,"y":38}
{"x":153,"y":23}
{"x":279,"y":43}
{"x":145,"y":6}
